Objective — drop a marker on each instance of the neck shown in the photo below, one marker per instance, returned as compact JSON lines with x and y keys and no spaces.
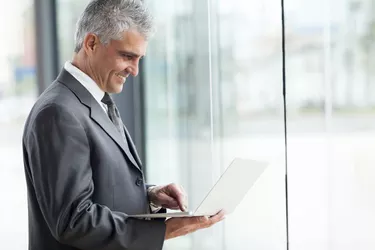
{"x":82,"y":63}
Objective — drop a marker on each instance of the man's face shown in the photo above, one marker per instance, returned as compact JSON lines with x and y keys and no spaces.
{"x":111,"y":64}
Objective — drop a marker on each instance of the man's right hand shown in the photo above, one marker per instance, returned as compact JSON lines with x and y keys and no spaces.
{"x":181,"y":226}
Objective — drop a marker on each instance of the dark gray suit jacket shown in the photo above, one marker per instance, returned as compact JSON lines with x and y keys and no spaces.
{"x":81,"y":179}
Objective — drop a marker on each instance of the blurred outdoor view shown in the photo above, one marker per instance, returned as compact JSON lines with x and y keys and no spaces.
{"x":18,"y":91}
{"x":214,"y":91}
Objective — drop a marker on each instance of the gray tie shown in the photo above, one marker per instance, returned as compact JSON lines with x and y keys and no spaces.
{"x":114,"y":115}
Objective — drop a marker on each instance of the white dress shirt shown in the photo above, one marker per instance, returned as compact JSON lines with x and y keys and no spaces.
{"x":87,"y":82}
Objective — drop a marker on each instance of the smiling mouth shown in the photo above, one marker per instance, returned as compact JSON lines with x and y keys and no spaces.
{"x":123,"y":78}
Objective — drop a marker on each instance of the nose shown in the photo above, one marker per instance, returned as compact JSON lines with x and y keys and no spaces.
{"x":134,"y":68}
{"x":135,"y":71}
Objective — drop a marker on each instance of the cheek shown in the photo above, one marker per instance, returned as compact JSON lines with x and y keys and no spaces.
{"x":107,"y":68}
{"x":121,"y":64}
{"x":101,"y":66}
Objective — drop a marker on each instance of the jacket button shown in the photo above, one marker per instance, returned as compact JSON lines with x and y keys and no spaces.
{"x":138,"y":182}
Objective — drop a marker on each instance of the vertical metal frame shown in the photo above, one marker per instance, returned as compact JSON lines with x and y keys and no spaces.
{"x":46,"y":42}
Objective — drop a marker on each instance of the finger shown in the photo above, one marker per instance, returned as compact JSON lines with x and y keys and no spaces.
{"x":204,"y":222}
{"x":202,"y":219}
{"x":189,"y":222}
{"x":171,"y":204}
{"x":178,"y":193}
{"x":179,"y":199}
{"x":181,"y":203}
{"x":218,"y":217}
{"x":185,"y":197}
{"x":197,"y":221}
{"x":168,"y":202}
{"x":222,"y":213}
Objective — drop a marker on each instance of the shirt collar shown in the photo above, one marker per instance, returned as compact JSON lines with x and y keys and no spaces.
{"x":86,"y":81}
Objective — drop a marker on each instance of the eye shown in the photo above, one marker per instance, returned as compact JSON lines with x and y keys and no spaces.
{"x":127,"y":56}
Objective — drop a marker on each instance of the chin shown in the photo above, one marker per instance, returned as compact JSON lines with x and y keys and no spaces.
{"x":117,"y":88}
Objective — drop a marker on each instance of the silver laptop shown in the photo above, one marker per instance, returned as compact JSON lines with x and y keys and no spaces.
{"x":226,"y":194}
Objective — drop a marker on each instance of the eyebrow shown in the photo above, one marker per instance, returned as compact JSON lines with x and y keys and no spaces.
{"x":129,"y":53}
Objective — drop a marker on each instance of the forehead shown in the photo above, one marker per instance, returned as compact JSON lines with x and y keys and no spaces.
{"x":131,"y":41}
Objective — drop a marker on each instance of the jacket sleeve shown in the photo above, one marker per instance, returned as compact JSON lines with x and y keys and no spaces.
{"x":59,"y":160}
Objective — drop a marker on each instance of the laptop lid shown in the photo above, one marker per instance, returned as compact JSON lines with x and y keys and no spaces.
{"x":227,"y":193}
{"x":231,"y":188}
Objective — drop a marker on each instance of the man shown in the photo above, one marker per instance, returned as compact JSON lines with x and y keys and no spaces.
{"x":82,"y":170}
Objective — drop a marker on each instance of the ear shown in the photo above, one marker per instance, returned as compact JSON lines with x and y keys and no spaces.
{"x":91,"y":43}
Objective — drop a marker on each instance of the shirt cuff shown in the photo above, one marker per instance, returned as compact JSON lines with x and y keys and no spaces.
{"x":154,"y":208}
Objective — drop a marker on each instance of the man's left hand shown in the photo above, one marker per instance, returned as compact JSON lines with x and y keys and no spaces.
{"x":170,"y":196}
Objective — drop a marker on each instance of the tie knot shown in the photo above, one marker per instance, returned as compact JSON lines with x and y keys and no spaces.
{"x":107,"y":99}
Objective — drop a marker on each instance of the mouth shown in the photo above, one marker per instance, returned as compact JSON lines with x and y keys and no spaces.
{"x":123,"y":78}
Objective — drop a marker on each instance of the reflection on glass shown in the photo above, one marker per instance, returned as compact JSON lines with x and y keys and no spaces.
{"x":214,"y":92}
{"x":68,"y":12}
{"x":330,"y":86}
{"x":17,"y":93}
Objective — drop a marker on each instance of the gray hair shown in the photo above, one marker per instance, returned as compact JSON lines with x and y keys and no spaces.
{"x":108,"y":19}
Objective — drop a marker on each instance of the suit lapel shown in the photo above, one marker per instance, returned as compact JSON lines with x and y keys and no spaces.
{"x":132,"y":147}
{"x":97,"y":114}
{"x":100,"y":117}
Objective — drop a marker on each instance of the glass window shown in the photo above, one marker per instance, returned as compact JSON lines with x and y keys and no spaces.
{"x":18,"y":91}
{"x":330,"y":94}
{"x":214,"y":92}
{"x":68,"y":12}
